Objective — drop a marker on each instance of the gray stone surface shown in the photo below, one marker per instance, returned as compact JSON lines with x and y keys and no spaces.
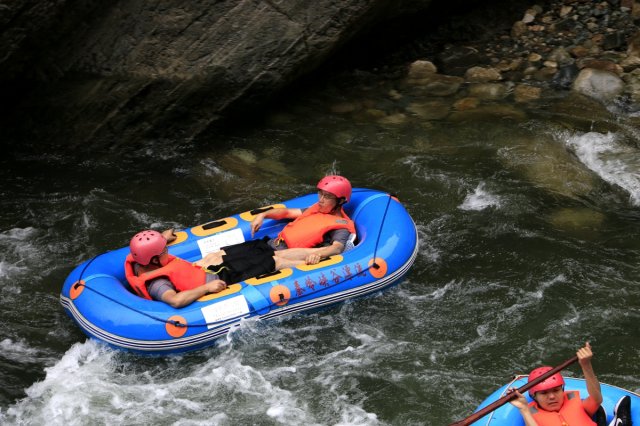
{"x":121,"y":70}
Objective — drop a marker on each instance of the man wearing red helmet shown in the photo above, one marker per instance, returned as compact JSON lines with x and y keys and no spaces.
{"x":154,"y":274}
{"x":319,"y":231}
{"x":552,"y":406}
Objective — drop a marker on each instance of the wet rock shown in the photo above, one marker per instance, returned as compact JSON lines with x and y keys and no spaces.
{"x":466,"y":104}
{"x":565,"y":76}
{"x":613,"y":41}
{"x":438,"y":85}
{"x":519,"y":29}
{"x":530,"y":15}
{"x":376,"y":113}
{"x":561,"y":56}
{"x":579,"y":51}
{"x":565,"y":10}
{"x":633,"y":45}
{"x":545,"y":73}
{"x":584,"y":112}
{"x":526,"y":93}
{"x":490,"y":91}
{"x":547,"y":164}
{"x":547,"y":41}
{"x":508,"y":65}
{"x":395,"y":95}
{"x":421,"y":69}
{"x":534,"y":57}
{"x":482,"y":75}
{"x":456,"y":60}
{"x":601,"y":85}
{"x":632,"y":81}
{"x":488,"y":113}
{"x":577,"y":219}
{"x":431,"y":110}
{"x":602,"y":65}
{"x":393,"y":119}
{"x":344,"y":107}
{"x":244,"y":155}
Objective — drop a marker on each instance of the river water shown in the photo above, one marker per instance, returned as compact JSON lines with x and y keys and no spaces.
{"x":529,"y":219}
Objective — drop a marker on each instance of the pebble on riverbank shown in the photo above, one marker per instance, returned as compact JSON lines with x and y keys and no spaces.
{"x":592,"y":48}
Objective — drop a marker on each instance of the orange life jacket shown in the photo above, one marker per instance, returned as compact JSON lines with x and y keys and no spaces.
{"x":572,"y":413}
{"x":309,"y":228}
{"x":182,"y":274}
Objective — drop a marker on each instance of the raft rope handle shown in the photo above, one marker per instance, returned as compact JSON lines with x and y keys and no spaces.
{"x":229,"y":320}
{"x":172,"y":322}
{"x":206,"y":324}
{"x":384,"y":217}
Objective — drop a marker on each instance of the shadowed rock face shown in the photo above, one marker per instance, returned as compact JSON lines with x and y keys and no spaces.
{"x":110,"y":73}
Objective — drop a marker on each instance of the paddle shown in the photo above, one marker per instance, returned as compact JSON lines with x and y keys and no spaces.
{"x":500,"y":402}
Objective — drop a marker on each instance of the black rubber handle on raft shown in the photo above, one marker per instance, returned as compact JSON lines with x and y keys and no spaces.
{"x":268,"y":274}
{"x":215,"y":224}
{"x":260,"y":210}
{"x":508,"y":397}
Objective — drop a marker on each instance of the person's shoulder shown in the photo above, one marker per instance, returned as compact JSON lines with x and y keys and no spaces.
{"x":158,"y":286}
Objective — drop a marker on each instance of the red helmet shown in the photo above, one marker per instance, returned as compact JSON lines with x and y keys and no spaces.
{"x":548,"y":383}
{"x":336,"y":185}
{"x":146,"y":244}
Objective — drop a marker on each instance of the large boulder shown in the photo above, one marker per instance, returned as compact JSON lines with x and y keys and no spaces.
{"x":598,"y":84}
{"x":99,"y":72}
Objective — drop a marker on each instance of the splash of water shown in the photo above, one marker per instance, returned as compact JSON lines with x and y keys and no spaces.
{"x":480,"y":199}
{"x":609,"y":158}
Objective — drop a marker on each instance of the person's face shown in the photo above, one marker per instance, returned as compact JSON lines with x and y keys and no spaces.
{"x":550,"y":399}
{"x":327,"y":201}
{"x":163,"y":257}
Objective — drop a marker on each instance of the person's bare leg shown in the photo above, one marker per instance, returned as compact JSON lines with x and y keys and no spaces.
{"x":299,"y":254}
{"x":282,"y":262}
{"x":214,"y":258}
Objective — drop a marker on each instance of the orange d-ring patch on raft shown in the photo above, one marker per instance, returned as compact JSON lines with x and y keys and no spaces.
{"x":174,"y":330}
{"x":76,"y":289}
{"x":381,"y":270}
{"x":280,"y":295}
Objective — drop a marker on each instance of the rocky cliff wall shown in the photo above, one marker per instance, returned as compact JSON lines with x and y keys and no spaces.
{"x":107,"y":73}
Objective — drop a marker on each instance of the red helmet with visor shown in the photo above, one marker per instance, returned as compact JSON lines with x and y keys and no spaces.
{"x":336,"y":185}
{"x":146,"y":244}
{"x":549,"y":383}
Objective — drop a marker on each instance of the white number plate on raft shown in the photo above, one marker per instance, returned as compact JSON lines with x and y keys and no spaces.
{"x":223,"y":239}
{"x":225,"y":309}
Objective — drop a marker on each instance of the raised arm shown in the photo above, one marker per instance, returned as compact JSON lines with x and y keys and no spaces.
{"x":592,"y":403}
{"x":256,"y":223}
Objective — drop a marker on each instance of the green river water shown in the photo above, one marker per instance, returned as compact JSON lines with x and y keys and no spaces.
{"x":529,"y":225}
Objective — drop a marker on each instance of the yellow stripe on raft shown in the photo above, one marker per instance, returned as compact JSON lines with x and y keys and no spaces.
{"x":248,"y":216}
{"x":283,"y":273}
{"x":327,"y":262}
{"x":181,"y":236}
{"x":233,"y":288}
{"x":214,"y":227}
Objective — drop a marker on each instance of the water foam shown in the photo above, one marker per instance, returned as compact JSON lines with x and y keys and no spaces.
{"x":17,"y":248}
{"x":612,"y":160}
{"x":480,"y":199}
{"x":19,"y":351}
{"x":94,"y":382}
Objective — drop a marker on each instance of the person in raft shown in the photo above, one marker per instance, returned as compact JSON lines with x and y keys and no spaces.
{"x":319,"y":231}
{"x":552,"y":406}
{"x":154,"y":274}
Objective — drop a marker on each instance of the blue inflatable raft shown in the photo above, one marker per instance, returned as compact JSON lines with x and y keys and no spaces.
{"x":509,"y":415}
{"x":97,"y":296}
